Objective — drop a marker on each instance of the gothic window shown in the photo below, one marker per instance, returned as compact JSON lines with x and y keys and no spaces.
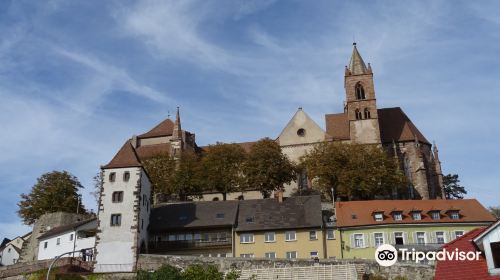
{"x":367,"y":113}
{"x":360,"y":92}
{"x":358,"y":114}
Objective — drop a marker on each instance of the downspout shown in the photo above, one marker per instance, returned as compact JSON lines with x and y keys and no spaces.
{"x":74,"y":243}
{"x":341,"y":245}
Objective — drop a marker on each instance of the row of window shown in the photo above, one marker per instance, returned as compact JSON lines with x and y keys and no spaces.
{"x":272,"y":255}
{"x":126,"y":176}
{"x":289,"y":236}
{"x":359,"y":115}
{"x":58,"y":241}
{"x":416,"y":215}
{"x":360,"y":240}
{"x":196,"y":237}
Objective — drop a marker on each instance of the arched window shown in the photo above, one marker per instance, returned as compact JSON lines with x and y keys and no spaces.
{"x":358,"y":114}
{"x":360,"y":91}
{"x":367,"y":113}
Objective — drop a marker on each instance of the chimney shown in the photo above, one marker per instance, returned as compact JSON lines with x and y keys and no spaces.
{"x":134,"y":141}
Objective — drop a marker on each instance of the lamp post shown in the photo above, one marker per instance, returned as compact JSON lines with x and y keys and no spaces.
{"x":57,"y":258}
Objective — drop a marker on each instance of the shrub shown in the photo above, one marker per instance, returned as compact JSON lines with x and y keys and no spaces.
{"x":199,"y":272}
{"x":166,"y":272}
{"x":233,"y":275}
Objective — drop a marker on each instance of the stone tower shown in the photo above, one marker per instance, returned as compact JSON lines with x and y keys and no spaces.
{"x":361,"y":106}
{"x":177,"y":140}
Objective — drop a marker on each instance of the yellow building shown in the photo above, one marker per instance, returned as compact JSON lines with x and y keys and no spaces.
{"x":290,"y":228}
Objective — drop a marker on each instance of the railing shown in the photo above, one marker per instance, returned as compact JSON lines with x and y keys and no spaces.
{"x":419,"y":247}
{"x":165,"y":246}
{"x":326,"y":272}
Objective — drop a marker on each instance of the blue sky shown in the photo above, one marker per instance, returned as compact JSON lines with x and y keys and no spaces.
{"x":77,"y":78}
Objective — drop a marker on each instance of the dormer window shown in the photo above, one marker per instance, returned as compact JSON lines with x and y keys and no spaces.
{"x":454,"y":215}
{"x":397,"y":215}
{"x":112,"y":176}
{"x":379,"y":216}
{"x":435,"y":215}
{"x":416,"y":215}
{"x":360,"y":92}
{"x":219,"y":215}
{"x":249,"y":220}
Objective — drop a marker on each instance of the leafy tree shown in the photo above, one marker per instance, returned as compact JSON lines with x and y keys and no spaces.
{"x":221,"y":168}
{"x":452,"y":189}
{"x":266,"y":168}
{"x":54,"y":191}
{"x":160,"y":169}
{"x":186,"y":177}
{"x":97,"y":180}
{"x":495,"y":211}
{"x":353,"y":171}
{"x":200,"y":272}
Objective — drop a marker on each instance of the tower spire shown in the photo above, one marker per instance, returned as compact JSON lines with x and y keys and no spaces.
{"x":357,"y":66}
{"x":177,"y":133}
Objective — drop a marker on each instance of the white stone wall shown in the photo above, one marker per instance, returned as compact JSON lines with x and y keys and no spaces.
{"x":116,"y":245}
{"x":9,"y":255}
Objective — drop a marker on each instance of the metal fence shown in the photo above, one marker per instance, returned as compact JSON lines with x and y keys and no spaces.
{"x":325,"y":272}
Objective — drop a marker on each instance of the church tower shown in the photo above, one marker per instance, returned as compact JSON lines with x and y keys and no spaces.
{"x":361,"y":107}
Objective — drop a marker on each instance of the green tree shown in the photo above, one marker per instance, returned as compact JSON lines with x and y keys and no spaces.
{"x":495,"y":211}
{"x":54,"y":191}
{"x":266,"y":168}
{"x":353,"y":171}
{"x":98,"y":181}
{"x":452,"y":188}
{"x":200,"y":272}
{"x":186,"y":178}
{"x":221,"y":168}
{"x":160,"y":169}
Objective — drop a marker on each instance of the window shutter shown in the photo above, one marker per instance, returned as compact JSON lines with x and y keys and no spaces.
{"x":446,"y":236}
{"x":405,"y":238}
{"x":414,"y":237}
{"x":372,"y":240}
{"x":352,"y":241}
{"x":365,"y":241}
{"x":392,"y":237}
{"x":386,"y":238}
{"x":452,"y":234}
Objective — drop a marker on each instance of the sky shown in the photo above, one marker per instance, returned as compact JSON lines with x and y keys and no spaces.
{"x":78,"y":78}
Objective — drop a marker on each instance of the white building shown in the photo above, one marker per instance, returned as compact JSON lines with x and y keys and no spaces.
{"x":10,"y":250}
{"x":74,"y":237}
{"x":124,"y":208}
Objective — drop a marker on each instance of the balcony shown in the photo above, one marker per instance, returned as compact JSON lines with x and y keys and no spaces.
{"x":419,"y":247}
{"x":167,"y":246}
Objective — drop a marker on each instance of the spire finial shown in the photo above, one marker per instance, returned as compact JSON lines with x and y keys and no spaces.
{"x":357,"y":65}
{"x":177,"y":125}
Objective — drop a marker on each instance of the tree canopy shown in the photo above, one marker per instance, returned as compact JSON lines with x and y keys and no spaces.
{"x":452,"y":188}
{"x":160,"y":169}
{"x":266,"y":168}
{"x":353,"y":171}
{"x":186,"y":179}
{"x":221,"y":168}
{"x":53,"y":192}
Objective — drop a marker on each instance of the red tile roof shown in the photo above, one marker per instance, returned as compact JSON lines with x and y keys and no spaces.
{"x":458,"y":270}
{"x":393,"y":122}
{"x":470,"y":210}
{"x":165,"y":128}
{"x":126,"y":157}
{"x":148,"y":151}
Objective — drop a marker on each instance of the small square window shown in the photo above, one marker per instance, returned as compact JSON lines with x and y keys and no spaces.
{"x":112,"y":176}
{"x":71,"y":237}
{"x":249,"y":220}
{"x":435,"y":215}
{"x":246,"y":238}
{"x":330,"y":234}
{"x":291,"y":255}
{"x":270,"y":255}
{"x":248,"y":256}
{"x":219,"y":215}
{"x":398,"y":216}
{"x":314,"y":254}
{"x":117,"y":197}
{"x":45,"y":244}
{"x":126,"y":176}
{"x":312,"y":235}
{"x":58,"y":241}
{"x":416,"y":216}
{"x":379,"y":217}
{"x":290,"y":236}
{"x":454,"y":215}
{"x":459,"y":233}
{"x":269,"y":237}
{"x":116,"y":220}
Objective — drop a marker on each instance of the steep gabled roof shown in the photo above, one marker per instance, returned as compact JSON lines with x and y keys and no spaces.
{"x":65,"y":228}
{"x":470,"y":211}
{"x":395,"y":125}
{"x":393,"y":122}
{"x":126,"y":157}
{"x":149,"y":151}
{"x":165,"y":128}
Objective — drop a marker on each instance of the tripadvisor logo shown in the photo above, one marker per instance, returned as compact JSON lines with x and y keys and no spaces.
{"x":386,"y":255}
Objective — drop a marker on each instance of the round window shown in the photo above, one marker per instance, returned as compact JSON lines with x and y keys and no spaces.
{"x":301,"y":132}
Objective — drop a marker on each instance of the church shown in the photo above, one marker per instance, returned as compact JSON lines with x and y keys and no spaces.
{"x":360,"y":122}
{"x":126,"y":201}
